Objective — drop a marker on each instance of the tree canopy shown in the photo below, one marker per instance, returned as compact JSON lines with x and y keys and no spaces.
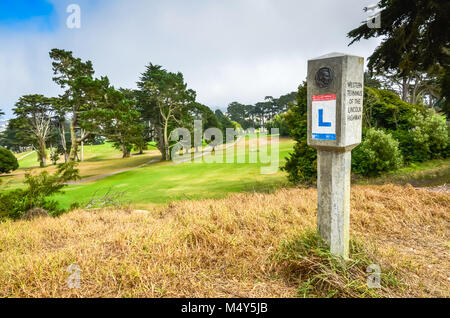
{"x":166,"y":102}
{"x":34,"y":114}
{"x":8,"y":161}
{"x":416,"y":39}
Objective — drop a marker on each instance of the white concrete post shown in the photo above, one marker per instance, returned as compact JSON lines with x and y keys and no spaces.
{"x":335,"y":108}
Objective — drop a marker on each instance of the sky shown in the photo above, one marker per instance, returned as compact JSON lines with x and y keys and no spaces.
{"x":228,"y":50}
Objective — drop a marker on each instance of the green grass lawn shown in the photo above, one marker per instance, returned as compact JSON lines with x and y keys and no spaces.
{"x":419,"y":174}
{"x":99,"y":159}
{"x":31,"y":159}
{"x":164,"y":182}
{"x":91,"y":153}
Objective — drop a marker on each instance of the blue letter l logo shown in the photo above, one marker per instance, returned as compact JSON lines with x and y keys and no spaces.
{"x":321,"y":123}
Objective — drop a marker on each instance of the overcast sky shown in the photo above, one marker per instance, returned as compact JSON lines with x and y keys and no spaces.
{"x":228,"y":50}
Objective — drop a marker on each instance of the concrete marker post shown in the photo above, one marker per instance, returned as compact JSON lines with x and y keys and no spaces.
{"x":335,"y":109}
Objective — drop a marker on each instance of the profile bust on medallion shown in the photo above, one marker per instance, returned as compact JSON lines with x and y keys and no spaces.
{"x":324,"y":77}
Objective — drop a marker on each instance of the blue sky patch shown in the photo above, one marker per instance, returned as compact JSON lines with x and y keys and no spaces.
{"x":17,"y":12}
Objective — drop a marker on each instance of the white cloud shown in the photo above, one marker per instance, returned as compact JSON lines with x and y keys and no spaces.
{"x":227,"y":50}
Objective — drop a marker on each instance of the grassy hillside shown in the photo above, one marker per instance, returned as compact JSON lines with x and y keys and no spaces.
{"x":246,"y":245}
{"x":92,"y":153}
{"x":165,"y":182}
{"x":99,"y":160}
{"x":420,"y":174}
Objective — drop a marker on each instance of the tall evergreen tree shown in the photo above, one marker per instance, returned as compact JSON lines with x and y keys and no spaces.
{"x":35,"y":115}
{"x":416,"y":38}
{"x":118,"y":120}
{"x":224,"y":121}
{"x":75,"y":76}
{"x":301,"y":165}
{"x":166,"y":101}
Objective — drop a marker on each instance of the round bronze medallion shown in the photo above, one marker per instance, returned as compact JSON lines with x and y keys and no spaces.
{"x":324,"y":77}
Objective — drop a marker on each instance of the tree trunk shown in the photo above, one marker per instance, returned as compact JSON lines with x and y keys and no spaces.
{"x":166,"y":152}
{"x":82,"y":152}
{"x":125,"y":152}
{"x":160,"y":139}
{"x":42,"y":153}
{"x":166,"y":141}
{"x":83,"y":135}
{"x":73,"y":136}
{"x":405,"y":88}
{"x":62,"y":134}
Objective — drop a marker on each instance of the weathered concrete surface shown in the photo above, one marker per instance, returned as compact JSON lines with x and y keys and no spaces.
{"x":333,"y":185}
{"x":348,"y":86}
{"x":335,"y":109}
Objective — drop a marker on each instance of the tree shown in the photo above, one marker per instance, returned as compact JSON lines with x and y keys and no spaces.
{"x":166,"y":102}
{"x":206,"y":115}
{"x":371,"y":81}
{"x":224,"y":121}
{"x":14,"y":138}
{"x":416,"y":39}
{"x":60,"y":122}
{"x":301,"y":165}
{"x":260,"y":113}
{"x":8,"y":162}
{"x":271,"y":107}
{"x":75,"y":76}
{"x":238,"y":113}
{"x":209,"y":120}
{"x":279,"y":121}
{"x":118,"y":120}
{"x":35,"y":115}
{"x":284,"y":101}
{"x":384,"y":109}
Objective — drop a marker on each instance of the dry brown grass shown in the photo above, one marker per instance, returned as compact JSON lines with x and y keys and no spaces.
{"x":220,"y":248}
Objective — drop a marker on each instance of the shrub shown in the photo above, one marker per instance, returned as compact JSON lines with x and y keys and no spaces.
{"x":379,"y":152}
{"x":17,"y":203}
{"x":428,"y":139}
{"x":279,"y":121}
{"x":8,"y":162}
{"x":385,"y":109}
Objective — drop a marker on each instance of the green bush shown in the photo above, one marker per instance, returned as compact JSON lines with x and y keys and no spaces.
{"x":379,"y":152}
{"x":279,"y":121}
{"x":427,"y":139}
{"x":384,"y":109}
{"x":17,"y":203}
{"x":8,"y":162}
